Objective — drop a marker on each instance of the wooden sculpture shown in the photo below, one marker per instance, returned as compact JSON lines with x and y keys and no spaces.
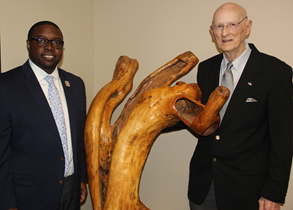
{"x":117,"y":153}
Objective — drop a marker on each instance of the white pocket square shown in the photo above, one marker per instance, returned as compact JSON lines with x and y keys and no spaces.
{"x":251,"y":100}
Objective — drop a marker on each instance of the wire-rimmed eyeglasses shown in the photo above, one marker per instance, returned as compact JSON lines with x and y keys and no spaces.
{"x":233,"y":26}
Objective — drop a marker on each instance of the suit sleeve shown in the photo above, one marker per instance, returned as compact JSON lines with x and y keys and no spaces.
{"x":280,"y":119}
{"x":7,"y":198}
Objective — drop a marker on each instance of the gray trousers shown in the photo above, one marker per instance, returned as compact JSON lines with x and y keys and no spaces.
{"x":208,"y":204}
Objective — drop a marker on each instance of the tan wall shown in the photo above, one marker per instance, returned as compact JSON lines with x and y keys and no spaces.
{"x":155,"y":31}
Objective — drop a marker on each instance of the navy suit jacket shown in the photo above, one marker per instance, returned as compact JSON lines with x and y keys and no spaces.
{"x":249,"y":156}
{"x":31,"y":154}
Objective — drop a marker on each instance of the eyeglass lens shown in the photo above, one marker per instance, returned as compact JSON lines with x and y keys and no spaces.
{"x":43,"y":42}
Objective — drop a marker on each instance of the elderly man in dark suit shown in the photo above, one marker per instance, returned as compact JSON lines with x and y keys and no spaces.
{"x":42,"y":117}
{"x":245,"y":164}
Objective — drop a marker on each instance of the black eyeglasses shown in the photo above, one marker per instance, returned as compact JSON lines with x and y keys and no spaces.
{"x":43,"y":42}
{"x":232,"y":26}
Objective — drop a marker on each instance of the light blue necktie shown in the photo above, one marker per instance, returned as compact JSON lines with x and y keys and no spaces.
{"x":228,"y":82}
{"x":56,"y":108}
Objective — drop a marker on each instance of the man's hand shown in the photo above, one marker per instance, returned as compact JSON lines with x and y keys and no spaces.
{"x":83,"y":192}
{"x":265,"y":204}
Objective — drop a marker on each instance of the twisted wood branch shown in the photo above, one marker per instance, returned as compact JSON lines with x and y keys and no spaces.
{"x":116,"y":154}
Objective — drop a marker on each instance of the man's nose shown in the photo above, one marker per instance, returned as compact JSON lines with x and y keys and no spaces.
{"x":49,"y":46}
{"x":226,"y":30}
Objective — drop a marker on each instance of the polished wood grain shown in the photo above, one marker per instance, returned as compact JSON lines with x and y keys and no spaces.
{"x":117,"y":153}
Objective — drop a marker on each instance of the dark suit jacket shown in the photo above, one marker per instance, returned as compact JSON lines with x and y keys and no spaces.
{"x":31,"y":153}
{"x":253,"y":155}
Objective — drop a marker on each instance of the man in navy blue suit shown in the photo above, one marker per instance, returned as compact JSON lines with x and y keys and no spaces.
{"x":32,"y":154}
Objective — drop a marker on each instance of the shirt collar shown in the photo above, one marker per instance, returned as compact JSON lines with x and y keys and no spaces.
{"x":239,"y":63}
{"x":40,"y":73}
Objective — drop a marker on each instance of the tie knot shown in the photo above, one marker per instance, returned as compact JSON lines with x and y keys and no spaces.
{"x":229,"y":66}
{"x":49,"y":79}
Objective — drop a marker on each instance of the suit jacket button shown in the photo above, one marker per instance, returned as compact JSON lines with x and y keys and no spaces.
{"x":60,"y":182}
{"x":217,"y":137}
{"x":215,"y":160}
{"x":61,"y":159}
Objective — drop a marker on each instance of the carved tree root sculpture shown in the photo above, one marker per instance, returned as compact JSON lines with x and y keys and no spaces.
{"x":116,"y":154}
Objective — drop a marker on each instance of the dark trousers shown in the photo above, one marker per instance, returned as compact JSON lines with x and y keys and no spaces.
{"x":69,"y":200}
{"x":208,"y":204}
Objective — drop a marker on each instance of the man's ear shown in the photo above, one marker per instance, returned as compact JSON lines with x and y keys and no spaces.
{"x":248,"y":25}
{"x":28,"y":45}
{"x":212,"y":33}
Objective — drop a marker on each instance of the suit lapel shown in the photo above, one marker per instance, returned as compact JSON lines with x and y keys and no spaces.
{"x":37,"y":93}
{"x":247,"y":82}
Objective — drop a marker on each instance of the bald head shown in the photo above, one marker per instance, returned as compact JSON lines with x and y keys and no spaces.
{"x":228,"y":9}
{"x":230,"y":28}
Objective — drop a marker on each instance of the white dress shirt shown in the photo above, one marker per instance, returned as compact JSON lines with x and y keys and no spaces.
{"x":238,"y":65}
{"x":41,"y":74}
